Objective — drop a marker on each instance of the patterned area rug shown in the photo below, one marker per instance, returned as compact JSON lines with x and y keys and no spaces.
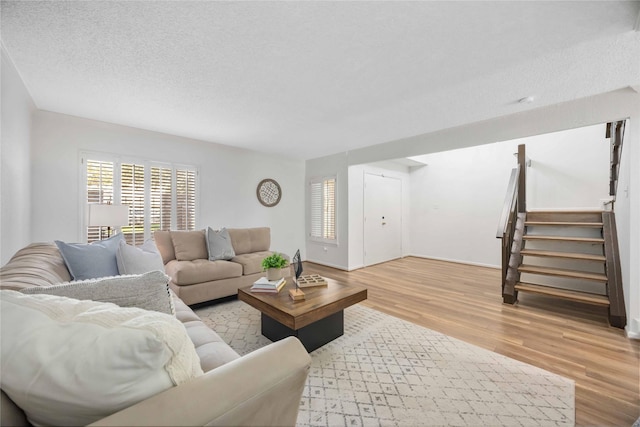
{"x":385,"y":371}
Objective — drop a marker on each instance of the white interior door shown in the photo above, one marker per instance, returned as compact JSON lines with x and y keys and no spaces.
{"x":382,"y":218}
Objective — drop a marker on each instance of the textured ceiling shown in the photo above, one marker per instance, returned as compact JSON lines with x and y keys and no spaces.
{"x":307,"y":79}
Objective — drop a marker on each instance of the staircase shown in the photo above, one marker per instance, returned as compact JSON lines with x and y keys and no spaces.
{"x":567,"y":254}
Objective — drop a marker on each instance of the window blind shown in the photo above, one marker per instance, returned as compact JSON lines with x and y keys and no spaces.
{"x":323,"y":209}
{"x":99,"y":190}
{"x":132,"y":194}
{"x":160,"y":196}
{"x":185,"y":199}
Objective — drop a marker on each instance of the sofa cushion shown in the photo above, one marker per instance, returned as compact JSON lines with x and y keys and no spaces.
{"x":201,"y":270}
{"x":164,"y":245}
{"x":74,"y":362}
{"x":39,"y":264}
{"x":247,"y":240}
{"x":149,"y":291}
{"x":138,"y":259}
{"x":251,"y":263}
{"x":88,"y":261}
{"x":189,"y":245}
{"x":219,"y":244}
{"x":211,"y":349}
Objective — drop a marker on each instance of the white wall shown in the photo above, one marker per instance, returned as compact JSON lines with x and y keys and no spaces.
{"x":620,"y":104}
{"x":15,"y":171}
{"x":228,"y":178}
{"x":456,"y":200}
{"x":627,"y":211}
{"x":356,"y":207}
{"x":623,"y":103}
{"x":334,"y":255}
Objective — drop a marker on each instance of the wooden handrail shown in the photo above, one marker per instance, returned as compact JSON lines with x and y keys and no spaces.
{"x":509,"y":201}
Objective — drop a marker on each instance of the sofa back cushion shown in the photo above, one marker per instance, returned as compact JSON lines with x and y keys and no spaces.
{"x":39,"y":264}
{"x":248,"y":240}
{"x":164,"y":245}
{"x":189,"y":245}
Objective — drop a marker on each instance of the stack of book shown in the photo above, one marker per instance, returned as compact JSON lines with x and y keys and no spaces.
{"x":266,"y":286}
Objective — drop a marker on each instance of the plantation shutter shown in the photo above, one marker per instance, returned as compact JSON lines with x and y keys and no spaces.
{"x":323,"y":209}
{"x":161,"y":198}
{"x":329,"y":212}
{"x":99,"y":190}
{"x":185,"y":199}
{"x":316,"y":209}
{"x":132,"y":194}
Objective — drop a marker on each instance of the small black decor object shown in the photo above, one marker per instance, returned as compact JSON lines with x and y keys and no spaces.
{"x":297,"y":265}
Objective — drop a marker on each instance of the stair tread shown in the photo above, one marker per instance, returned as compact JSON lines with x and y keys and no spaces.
{"x":567,"y":212}
{"x":555,"y":254}
{"x":563,"y":293}
{"x":562,"y":272}
{"x":563,"y":238}
{"x":565,"y":223}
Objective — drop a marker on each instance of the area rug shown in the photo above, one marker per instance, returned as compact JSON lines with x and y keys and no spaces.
{"x":385,"y":371}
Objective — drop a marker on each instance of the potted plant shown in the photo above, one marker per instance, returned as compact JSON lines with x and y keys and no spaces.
{"x":273,"y":265}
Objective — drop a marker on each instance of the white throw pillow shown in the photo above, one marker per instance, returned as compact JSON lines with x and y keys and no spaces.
{"x":138,"y":259}
{"x":72,"y":362}
{"x":149,"y":291}
{"x":219,"y":244}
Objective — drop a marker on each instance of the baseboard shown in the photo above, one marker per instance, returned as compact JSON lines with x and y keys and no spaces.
{"x":457,"y":261}
{"x":328,"y":264}
{"x":635,"y":333}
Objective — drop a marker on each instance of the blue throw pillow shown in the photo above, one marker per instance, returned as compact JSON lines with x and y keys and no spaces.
{"x":93,"y":260}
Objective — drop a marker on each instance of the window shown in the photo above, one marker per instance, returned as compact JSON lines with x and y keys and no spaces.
{"x":99,"y":177}
{"x":323,"y":209}
{"x":159,"y":196}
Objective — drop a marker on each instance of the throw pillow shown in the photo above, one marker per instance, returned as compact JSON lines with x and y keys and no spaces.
{"x":219,"y":245}
{"x":71,"y":362}
{"x":138,"y":260}
{"x":88,"y":261}
{"x":149,"y":291}
{"x":189,"y":245}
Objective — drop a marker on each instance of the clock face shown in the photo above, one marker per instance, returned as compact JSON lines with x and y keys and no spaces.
{"x":269,"y":192}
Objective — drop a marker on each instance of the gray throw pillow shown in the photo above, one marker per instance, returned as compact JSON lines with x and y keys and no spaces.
{"x":89,"y":261}
{"x":138,"y":259}
{"x":219,"y":244}
{"x":149,"y":291}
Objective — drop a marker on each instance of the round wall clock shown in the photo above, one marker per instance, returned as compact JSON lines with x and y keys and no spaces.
{"x":269,"y":192}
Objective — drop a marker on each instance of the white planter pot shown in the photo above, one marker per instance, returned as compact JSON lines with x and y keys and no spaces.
{"x":274,"y":274}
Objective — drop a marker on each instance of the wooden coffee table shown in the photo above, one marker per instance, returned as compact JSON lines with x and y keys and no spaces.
{"x":315,"y":321}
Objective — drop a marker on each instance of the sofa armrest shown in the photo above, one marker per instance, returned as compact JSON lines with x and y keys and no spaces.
{"x":261,"y":388}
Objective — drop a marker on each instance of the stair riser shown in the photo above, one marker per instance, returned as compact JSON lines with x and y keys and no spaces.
{"x":545,"y":230}
{"x":565,"y":216}
{"x":566,"y":264}
{"x":565,"y":283}
{"x":586,"y":248}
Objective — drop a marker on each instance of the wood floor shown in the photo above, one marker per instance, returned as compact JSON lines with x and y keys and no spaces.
{"x":563,"y":337}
